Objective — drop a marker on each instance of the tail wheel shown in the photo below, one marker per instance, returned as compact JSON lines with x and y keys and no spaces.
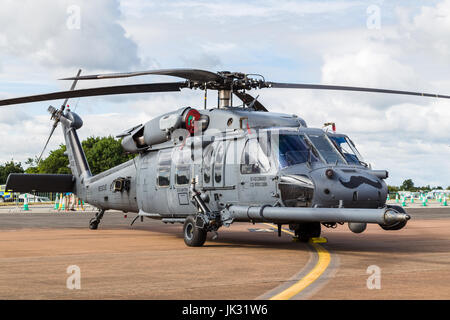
{"x":398,"y":225}
{"x":193,"y":235}
{"x":306,"y":231}
{"x":93,"y":224}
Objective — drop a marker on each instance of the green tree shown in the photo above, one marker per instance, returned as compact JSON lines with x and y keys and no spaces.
{"x":393,"y":189}
{"x":407,"y":185}
{"x":9,"y":167}
{"x":56,"y":162}
{"x":102,"y":153}
{"x":32,"y":168}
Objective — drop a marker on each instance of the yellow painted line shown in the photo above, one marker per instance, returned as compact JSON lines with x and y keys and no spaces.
{"x":313,"y":275}
{"x":318,"y":240}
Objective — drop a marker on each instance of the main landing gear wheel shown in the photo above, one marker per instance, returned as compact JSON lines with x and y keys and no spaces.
{"x":306,"y":231}
{"x":193,"y":235}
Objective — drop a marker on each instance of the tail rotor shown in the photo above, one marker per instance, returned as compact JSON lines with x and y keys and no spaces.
{"x":56,"y":114}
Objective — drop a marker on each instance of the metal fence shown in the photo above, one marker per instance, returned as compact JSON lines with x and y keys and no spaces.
{"x":33,"y":197}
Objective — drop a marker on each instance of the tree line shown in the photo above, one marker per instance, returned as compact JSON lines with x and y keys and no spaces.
{"x":102,"y":153}
{"x":408,"y":185}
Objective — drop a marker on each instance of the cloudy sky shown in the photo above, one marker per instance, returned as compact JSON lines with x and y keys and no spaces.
{"x":388,"y":44}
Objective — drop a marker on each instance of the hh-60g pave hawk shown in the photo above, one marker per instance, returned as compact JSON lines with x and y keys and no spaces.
{"x":207,"y":168}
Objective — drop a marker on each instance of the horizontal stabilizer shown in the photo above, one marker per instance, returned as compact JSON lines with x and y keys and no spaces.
{"x":23,"y":182}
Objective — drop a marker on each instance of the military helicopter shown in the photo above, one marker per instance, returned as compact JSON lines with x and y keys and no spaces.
{"x":207,"y":168}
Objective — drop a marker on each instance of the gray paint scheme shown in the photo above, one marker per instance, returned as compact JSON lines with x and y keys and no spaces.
{"x":235,"y":196}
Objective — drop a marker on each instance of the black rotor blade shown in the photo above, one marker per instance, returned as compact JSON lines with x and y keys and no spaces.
{"x":346,"y":88}
{"x":45,"y":146}
{"x":248,"y":100}
{"x":101,"y":91}
{"x":190,"y":74}
{"x":63,"y":106}
{"x":55,"y":124}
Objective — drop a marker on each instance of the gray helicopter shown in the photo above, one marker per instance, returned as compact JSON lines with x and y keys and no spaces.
{"x":207,"y":168}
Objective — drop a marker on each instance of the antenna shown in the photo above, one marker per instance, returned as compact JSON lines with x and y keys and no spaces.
{"x":206,"y":94}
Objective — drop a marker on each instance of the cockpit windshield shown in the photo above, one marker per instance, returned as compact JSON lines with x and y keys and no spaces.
{"x":326,"y":148}
{"x":294,"y":149}
{"x":348,"y":149}
{"x":312,"y":147}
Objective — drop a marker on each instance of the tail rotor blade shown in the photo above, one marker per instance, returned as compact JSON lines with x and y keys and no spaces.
{"x":43,"y":150}
{"x":55,"y":124}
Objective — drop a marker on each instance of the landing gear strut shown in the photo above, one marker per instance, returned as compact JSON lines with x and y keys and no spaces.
{"x":94,"y":222}
{"x":196,"y":227}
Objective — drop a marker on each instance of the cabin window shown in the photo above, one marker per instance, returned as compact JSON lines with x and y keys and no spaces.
{"x":163,"y":177}
{"x":207,"y":160}
{"x":164,"y":162}
{"x":182,"y":175}
{"x":256,"y":156}
{"x":218,"y":164}
{"x":182,"y":160}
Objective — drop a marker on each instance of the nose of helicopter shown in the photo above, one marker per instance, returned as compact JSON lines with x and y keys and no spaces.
{"x":351,"y":187}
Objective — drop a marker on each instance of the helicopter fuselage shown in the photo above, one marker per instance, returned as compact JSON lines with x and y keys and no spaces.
{"x":230,"y":167}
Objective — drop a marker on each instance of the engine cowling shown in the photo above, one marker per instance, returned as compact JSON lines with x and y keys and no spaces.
{"x":163,"y":128}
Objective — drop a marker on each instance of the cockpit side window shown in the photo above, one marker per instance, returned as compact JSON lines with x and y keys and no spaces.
{"x":256,"y":156}
{"x":326,"y":148}
{"x":295,"y":149}
{"x":347,"y":148}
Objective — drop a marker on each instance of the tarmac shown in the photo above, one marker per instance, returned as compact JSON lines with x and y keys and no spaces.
{"x":150,"y":260}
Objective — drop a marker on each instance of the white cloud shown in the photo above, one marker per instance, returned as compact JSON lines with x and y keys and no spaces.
{"x":238,"y":9}
{"x":430,"y":30}
{"x":38,"y":31}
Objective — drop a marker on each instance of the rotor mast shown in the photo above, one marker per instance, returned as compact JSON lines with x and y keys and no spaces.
{"x":224,"y":97}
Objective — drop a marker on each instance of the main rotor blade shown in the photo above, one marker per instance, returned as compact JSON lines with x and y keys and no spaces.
{"x":248,"y":99}
{"x":101,"y":91}
{"x":190,"y":74}
{"x":63,"y":106}
{"x":346,"y":88}
{"x":45,"y":146}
